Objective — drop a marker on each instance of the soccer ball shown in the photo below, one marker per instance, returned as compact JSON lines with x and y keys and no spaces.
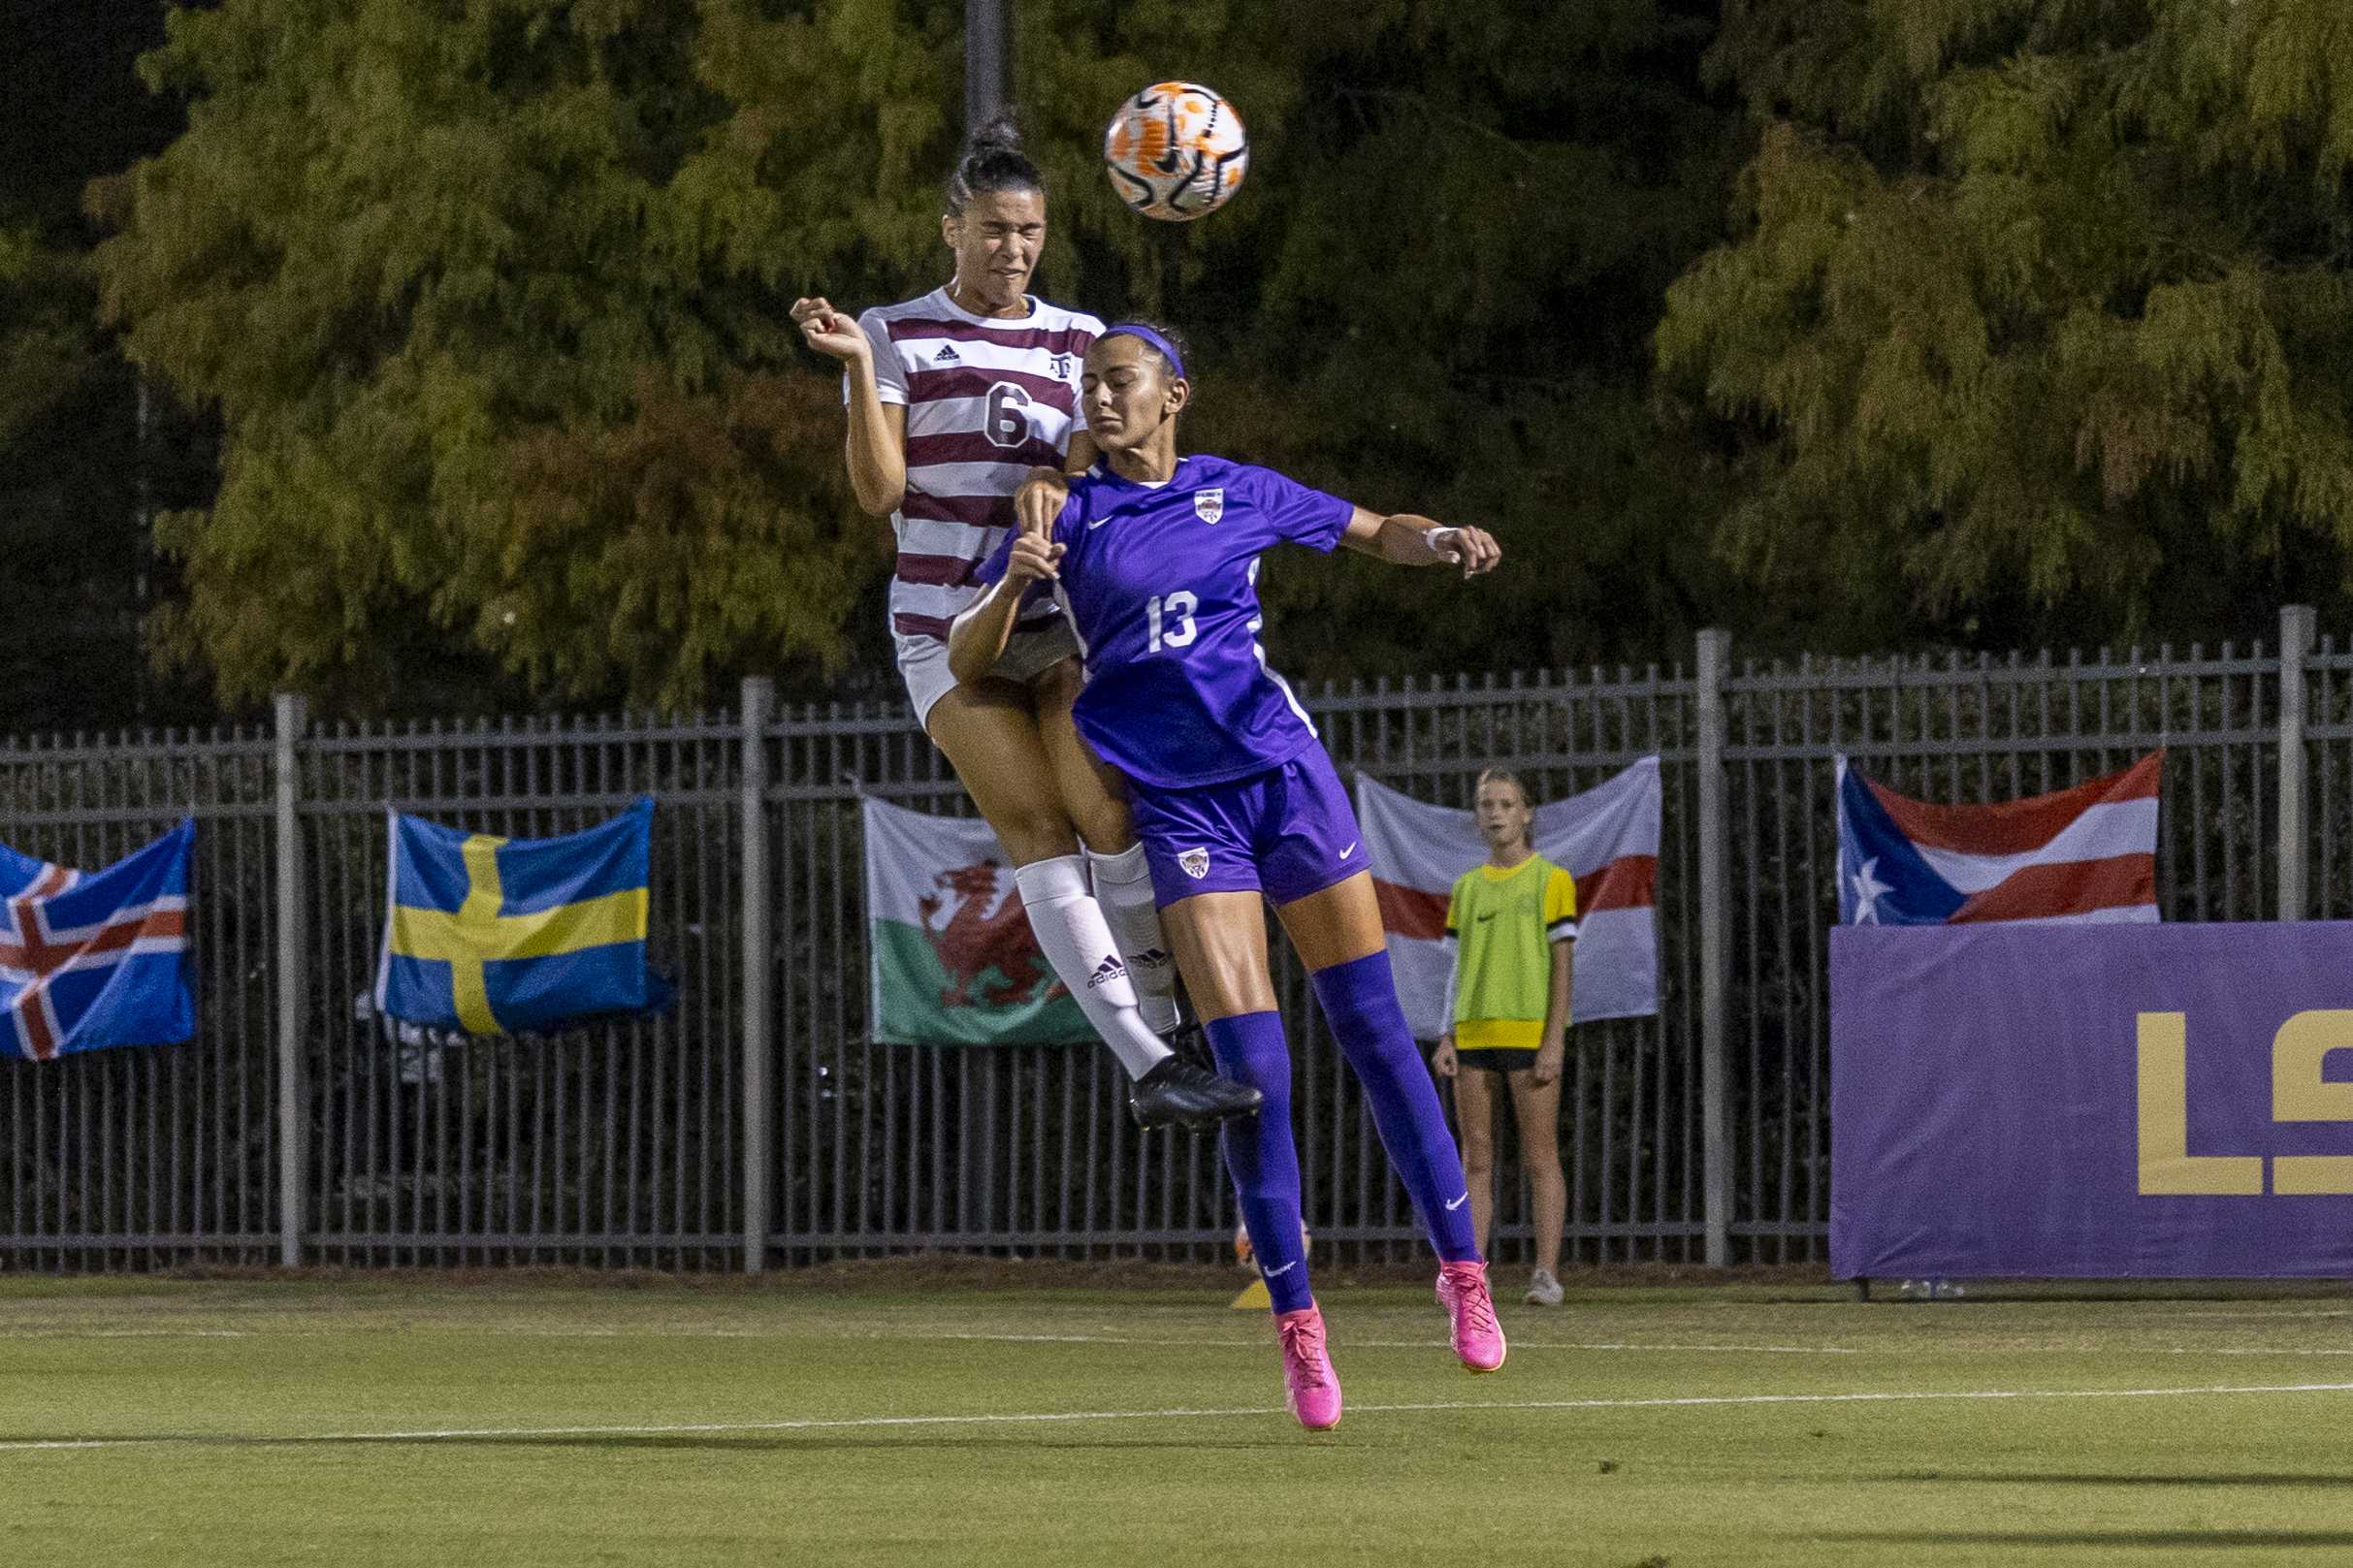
{"x":1176,"y":151}
{"x":1246,"y":1257}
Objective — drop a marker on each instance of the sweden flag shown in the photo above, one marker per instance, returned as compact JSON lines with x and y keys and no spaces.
{"x":517,"y":936}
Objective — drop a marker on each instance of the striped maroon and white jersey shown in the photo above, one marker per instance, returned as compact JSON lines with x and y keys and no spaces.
{"x":987,"y":398}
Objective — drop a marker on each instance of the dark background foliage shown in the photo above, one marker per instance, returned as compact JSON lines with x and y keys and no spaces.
{"x":429,"y":355}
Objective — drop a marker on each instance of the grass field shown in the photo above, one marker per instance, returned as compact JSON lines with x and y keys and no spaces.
{"x":948,"y":1418}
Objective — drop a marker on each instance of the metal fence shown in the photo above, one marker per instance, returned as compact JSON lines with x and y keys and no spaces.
{"x":756,"y":1124}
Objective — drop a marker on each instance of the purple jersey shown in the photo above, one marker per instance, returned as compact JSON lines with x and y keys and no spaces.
{"x":1162,"y":585}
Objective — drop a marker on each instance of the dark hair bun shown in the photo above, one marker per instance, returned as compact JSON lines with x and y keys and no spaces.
{"x":1000,"y":135}
{"x":992,"y":160}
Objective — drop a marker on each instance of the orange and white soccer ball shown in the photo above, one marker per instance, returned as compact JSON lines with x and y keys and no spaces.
{"x":1247,"y":1257}
{"x":1177,"y":151}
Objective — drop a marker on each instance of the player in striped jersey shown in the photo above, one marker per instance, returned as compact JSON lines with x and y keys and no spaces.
{"x":954,"y":400}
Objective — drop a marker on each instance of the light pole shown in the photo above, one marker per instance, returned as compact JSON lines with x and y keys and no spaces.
{"x":985,"y":26}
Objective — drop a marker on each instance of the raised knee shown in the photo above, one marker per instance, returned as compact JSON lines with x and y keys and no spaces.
{"x":1035,"y":833}
{"x":1106,"y":828}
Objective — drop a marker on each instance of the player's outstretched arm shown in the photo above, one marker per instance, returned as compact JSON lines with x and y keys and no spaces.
{"x":1039,"y":499}
{"x":1403,"y":539}
{"x":978,"y":636}
{"x":876,"y":450}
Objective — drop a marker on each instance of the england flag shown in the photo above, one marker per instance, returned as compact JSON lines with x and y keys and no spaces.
{"x":1606,"y":838}
{"x":2077,"y":856}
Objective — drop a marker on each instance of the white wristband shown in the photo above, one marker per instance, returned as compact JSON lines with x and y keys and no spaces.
{"x":1436,"y":539}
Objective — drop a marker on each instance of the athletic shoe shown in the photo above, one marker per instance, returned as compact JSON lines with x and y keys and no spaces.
{"x":1477,"y":1337}
{"x":1310,"y":1384}
{"x":1542,"y":1289}
{"x":1179,"y":1093}
{"x":1191,"y":1040}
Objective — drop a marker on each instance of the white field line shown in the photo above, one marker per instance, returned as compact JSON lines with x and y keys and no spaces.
{"x":126,"y":1333}
{"x":657,"y":1332}
{"x":2281,"y":1353}
{"x":1036,"y":1418}
{"x":1517,"y":1343}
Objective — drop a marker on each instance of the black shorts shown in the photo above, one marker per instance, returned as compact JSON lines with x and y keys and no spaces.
{"x":1498,"y":1058}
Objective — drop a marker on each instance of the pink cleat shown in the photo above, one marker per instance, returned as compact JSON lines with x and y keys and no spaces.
{"x":1477,"y":1337}
{"x":1309,"y":1383}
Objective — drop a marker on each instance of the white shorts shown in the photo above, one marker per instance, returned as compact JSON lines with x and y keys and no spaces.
{"x":1028,"y":653}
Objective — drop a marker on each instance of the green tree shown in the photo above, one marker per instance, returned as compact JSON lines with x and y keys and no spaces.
{"x":1436,"y":293}
{"x":439,"y":267}
{"x":86,"y":451}
{"x":68,"y":502}
{"x":489,"y":298}
{"x":2039,"y":321}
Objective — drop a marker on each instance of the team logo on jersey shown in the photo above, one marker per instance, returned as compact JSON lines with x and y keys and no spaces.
{"x":1209,"y":504}
{"x":1061,"y":367}
{"x":1195,"y":863}
{"x":947,"y":355}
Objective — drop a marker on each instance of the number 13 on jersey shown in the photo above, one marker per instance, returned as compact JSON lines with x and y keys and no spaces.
{"x":1172,"y":619}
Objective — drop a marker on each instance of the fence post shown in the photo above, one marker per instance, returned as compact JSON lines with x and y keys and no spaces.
{"x":1714,"y":950}
{"x":292,"y":719}
{"x":758,"y":702}
{"x":2296,"y":639}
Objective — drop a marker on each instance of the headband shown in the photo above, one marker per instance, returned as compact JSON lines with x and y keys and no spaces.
{"x":1143,"y":333}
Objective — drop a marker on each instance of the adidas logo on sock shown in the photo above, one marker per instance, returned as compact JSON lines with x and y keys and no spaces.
{"x":947,"y":355}
{"x":1149,"y":958}
{"x":1109,"y":970}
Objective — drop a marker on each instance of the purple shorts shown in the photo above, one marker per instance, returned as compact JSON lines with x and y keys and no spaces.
{"x":1286,"y":833}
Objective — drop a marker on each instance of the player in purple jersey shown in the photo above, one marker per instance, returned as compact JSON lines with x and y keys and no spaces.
{"x":1156,"y":558}
{"x":952,"y":399}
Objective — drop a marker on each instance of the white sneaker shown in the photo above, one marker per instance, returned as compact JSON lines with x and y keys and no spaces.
{"x":1542,"y":1289}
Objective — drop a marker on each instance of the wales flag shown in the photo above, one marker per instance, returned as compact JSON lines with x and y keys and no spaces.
{"x":953,"y":958}
{"x":517,"y":936}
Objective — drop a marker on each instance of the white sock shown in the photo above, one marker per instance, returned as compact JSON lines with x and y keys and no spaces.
{"x":1123,"y":886}
{"x":1069,"y":925}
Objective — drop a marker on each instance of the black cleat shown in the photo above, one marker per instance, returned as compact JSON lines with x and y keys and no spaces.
{"x":1176,"y":1093}
{"x":1191,"y":1041}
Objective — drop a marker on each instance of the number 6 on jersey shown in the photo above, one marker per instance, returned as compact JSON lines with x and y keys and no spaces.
{"x":1178,"y":607}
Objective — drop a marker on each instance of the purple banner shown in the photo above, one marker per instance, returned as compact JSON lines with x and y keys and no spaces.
{"x":2092,"y":1101}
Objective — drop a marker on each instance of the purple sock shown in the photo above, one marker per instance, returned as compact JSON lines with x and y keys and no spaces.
{"x":1360,"y":1000}
{"x":1260,"y":1154}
